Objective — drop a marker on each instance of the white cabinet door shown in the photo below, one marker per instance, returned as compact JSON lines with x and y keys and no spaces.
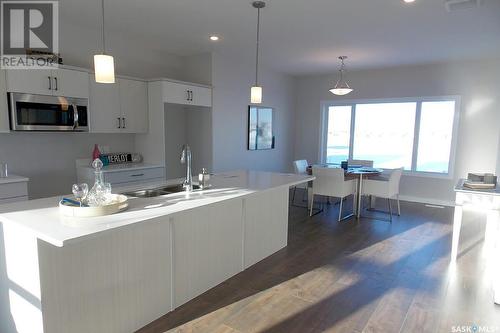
{"x":134,"y":105}
{"x":4,"y":109}
{"x":266,"y":224}
{"x":70,"y":83}
{"x":201,"y":96}
{"x":176,"y":93}
{"x":105,"y":115}
{"x":32,"y":81}
{"x":207,"y":248}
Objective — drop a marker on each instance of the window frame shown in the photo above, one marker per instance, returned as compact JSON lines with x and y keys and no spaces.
{"x":323,"y":133}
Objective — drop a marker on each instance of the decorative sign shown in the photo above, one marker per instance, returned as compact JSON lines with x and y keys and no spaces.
{"x":116,"y":158}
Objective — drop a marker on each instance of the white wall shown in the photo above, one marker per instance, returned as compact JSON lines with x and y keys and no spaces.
{"x":477,"y":82}
{"x":48,"y":159}
{"x":231,"y":81}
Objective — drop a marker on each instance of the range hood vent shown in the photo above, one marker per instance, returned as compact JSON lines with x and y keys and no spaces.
{"x":452,"y":5}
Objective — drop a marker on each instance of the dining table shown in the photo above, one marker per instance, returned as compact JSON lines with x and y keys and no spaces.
{"x":354,"y":171}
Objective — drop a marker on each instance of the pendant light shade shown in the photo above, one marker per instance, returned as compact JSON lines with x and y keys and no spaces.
{"x":104,"y":65}
{"x":256,"y":95}
{"x":256,"y":90}
{"x":341,"y":88}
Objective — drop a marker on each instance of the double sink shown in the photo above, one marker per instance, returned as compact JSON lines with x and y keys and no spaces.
{"x":156,"y":192}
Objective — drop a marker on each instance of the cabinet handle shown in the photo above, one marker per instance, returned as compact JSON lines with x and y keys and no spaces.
{"x":124,"y":125}
{"x":191,"y":95}
{"x":137,"y":175}
{"x":55,"y":80}
{"x":187,"y":91}
{"x":50,"y":82}
{"x":119,"y":122}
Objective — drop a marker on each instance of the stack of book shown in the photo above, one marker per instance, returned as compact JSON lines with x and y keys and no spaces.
{"x":481,"y":181}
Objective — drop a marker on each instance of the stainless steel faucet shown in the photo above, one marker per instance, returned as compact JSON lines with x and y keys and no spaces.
{"x":186,"y":159}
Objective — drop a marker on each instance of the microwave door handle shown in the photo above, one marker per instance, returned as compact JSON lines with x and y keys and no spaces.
{"x":75,"y":116}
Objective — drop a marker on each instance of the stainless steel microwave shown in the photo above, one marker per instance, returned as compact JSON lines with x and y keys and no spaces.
{"x":29,"y":112}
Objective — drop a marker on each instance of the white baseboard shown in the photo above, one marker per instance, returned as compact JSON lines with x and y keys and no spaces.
{"x":427,"y":201}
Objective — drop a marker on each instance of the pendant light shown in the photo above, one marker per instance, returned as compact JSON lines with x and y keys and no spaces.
{"x":341,"y":87}
{"x":104,"y":65}
{"x":256,"y":90}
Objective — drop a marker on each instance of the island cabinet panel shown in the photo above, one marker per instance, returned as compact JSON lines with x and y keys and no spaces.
{"x":114,"y":282}
{"x":266,"y":224}
{"x":207,"y":248}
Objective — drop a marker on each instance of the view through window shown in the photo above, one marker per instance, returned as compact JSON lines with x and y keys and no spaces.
{"x":414,"y":134}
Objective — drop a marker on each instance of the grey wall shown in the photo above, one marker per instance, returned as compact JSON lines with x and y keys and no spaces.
{"x":191,"y":125}
{"x":48,"y":159}
{"x":231,"y":81}
{"x":175,"y":137}
{"x":477,"y":82}
{"x":131,"y":55}
{"x":199,"y":137}
{"x":198,"y":68}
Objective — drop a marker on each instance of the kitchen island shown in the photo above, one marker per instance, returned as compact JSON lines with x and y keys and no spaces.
{"x":118,"y":273}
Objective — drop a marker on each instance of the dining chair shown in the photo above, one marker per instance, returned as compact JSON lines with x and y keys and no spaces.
{"x":330,"y":182}
{"x":365,"y":163}
{"x":300,"y":168}
{"x":387,"y":188}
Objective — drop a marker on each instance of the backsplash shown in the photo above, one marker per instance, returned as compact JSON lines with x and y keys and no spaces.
{"x":48,"y":159}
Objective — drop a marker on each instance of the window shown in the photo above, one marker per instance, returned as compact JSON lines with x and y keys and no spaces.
{"x":414,"y":133}
{"x":434,"y":140}
{"x":339,"y":134}
{"x":384,"y":134}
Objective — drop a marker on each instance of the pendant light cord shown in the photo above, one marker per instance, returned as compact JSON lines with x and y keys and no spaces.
{"x":103,"y":37}
{"x":257,"y":49}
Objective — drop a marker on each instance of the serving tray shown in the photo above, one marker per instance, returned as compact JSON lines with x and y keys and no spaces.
{"x":120,"y":203}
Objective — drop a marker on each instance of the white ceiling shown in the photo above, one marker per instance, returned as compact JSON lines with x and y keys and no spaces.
{"x":300,"y":37}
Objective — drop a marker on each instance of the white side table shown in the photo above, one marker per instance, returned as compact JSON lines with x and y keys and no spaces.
{"x":485,"y":203}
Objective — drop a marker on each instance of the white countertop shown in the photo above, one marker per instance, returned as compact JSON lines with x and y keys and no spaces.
{"x":13,"y":179}
{"x":41,"y":217}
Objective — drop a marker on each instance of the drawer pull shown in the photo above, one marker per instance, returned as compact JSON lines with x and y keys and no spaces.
{"x":137,"y":175}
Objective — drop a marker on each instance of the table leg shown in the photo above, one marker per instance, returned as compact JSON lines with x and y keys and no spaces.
{"x":457,"y":225}
{"x":360,"y":188}
{"x":309,"y":196}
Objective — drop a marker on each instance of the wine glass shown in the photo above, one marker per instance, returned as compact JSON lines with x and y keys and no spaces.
{"x":80,"y":192}
{"x":107,"y":192}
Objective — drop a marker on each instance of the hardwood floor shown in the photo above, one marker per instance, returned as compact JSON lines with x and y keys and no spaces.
{"x":371,"y":276}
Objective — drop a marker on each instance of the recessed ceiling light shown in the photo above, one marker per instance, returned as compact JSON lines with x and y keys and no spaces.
{"x":214,"y":38}
{"x":409,"y":1}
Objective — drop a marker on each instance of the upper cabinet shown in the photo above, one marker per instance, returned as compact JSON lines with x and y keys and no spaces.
{"x":71,"y":83}
{"x":4,"y":110}
{"x":121,"y":107}
{"x":105,"y":113}
{"x":186,"y":94}
{"x":134,"y":105}
{"x":56,"y":82}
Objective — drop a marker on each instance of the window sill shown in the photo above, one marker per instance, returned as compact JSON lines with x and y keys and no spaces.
{"x":444,"y":176}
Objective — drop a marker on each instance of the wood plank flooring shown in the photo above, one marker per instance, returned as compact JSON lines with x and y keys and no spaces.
{"x":366,"y":276}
